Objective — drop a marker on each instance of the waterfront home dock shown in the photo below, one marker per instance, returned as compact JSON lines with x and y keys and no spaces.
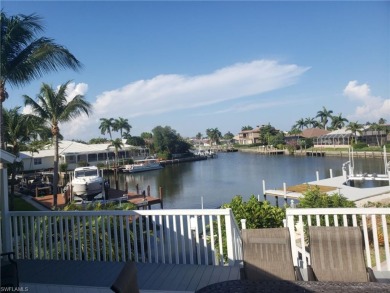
{"x":329,"y":185}
{"x":140,"y":200}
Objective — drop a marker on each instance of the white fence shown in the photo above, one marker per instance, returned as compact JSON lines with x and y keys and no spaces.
{"x":154,"y":236}
{"x":373,"y":221}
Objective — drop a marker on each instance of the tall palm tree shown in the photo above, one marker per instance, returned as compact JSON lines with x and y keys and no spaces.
{"x":53,"y":107}
{"x":117,"y":144}
{"x":382,"y":121}
{"x":375,"y":127}
{"x":299,"y":124}
{"x":324,"y":116}
{"x":355,"y":128}
{"x":338,"y":121}
{"x":310,"y":122}
{"x":24,"y":56}
{"x":106,"y":126}
{"x":121,"y":124}
{"x":214,"y":135}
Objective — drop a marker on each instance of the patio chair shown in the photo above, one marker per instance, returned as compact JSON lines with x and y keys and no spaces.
{"x":9,"y":270}
{"x":267,"y":255}
{"x":336,"y":254}
{"x":126,"y":282}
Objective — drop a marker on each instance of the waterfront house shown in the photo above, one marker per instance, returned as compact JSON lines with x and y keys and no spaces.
{"x":246,"y":137}
{"x":74,"y":153}
{"x":343,"y":137}
{"x":305,"y":134}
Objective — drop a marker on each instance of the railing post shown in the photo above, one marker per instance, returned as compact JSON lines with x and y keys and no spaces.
{"x":5,"y":217}
{"x":290,"y":224}
{"x":229,"y":237}
{"x":243,"y":224}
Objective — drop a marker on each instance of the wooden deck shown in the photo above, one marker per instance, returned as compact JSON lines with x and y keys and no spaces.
{"x":138,"y":199}
{"x":88,"y":276}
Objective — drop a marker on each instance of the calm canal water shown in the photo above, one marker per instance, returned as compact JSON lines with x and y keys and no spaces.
{"x":218,"y":180}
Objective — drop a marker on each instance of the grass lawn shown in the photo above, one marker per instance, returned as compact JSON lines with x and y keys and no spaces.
{"x":22,"y":205}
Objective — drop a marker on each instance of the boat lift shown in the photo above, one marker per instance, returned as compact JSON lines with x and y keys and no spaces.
{"x":349,"y":173}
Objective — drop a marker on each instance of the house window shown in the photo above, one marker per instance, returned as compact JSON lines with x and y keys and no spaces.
{"x":81,"y":158}
{"x":92,"y":157}
{"x":102,"y":156}
{"x":71,"y":159}
{"x":37,"y":161}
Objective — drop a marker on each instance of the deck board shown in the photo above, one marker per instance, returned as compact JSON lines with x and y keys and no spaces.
{"x":87,"y":276}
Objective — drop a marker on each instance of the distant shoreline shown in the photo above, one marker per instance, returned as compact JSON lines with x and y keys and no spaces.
{"x":357,"y":154}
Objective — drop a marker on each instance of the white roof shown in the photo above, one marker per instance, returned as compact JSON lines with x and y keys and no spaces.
{"x":6,"y":157}
{"x":72,"y":147}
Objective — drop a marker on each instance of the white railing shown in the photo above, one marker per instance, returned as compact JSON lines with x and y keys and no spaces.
{"x":154,"y":236}
{"x":373,"y":221}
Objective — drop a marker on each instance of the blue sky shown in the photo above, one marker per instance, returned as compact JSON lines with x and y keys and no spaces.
{"x":194,"y":65}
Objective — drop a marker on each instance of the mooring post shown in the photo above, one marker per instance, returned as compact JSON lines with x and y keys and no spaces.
{"x":137,"y":188}
{"x":148,"y":190}
{"x":277,"y":201}
{"x":318,"y":176}
{"x":160,"y":189}
{"x":265,"y":195}
{"x":331,"y":173}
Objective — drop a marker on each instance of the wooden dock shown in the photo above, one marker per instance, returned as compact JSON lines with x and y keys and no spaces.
{"x":295,"y":192}
{"x":139,"y":199}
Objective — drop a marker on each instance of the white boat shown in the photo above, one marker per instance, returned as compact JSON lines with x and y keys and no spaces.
{"x":142,"y":166}
{"x":87,"y":182}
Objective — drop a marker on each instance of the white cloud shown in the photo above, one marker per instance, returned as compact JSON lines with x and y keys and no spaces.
{"x":165,"y":93}
{"x":372,"y":107}
{"x":168,"y":93}
{"x":74,"y":89}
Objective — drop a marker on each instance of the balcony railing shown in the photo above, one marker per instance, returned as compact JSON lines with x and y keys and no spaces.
{"x":153,"y":236}
{"x":374,"y":223}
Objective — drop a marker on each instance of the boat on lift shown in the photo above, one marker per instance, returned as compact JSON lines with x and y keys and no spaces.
{"x":87,"y":182}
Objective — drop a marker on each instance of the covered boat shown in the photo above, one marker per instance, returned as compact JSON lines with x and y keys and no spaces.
{"x":87,"y":182}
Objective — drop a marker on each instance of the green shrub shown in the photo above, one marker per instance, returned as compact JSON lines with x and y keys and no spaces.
{"x":359,"y":145}
{"x":63,"y":167}
{"x":82,"y":164}
{"x":258,"y":214}
{"x":314,"y":198}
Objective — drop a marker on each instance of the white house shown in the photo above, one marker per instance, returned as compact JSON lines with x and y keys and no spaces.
{"x":73,"y":153}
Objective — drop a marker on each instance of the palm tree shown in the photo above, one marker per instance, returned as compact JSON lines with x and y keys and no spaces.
{"x":53,"y":107}
{"x":117,"y":144}
{"x":300,"y":124}
{"x":338,"y":121}
{"x":106,"y":126}
{"x":24,"y":56}
{"x":375,"y":127}
{"x":214,"y":135}
{"x":17,"y":129}
{"x":355,"y":128}
{"x":382,"y":121}
{"x":310,"y":122}
{"x":121,"y":124}
{"x":324,"y":114}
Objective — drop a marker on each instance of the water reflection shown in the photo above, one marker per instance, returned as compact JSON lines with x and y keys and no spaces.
{"x":218,"y":180}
